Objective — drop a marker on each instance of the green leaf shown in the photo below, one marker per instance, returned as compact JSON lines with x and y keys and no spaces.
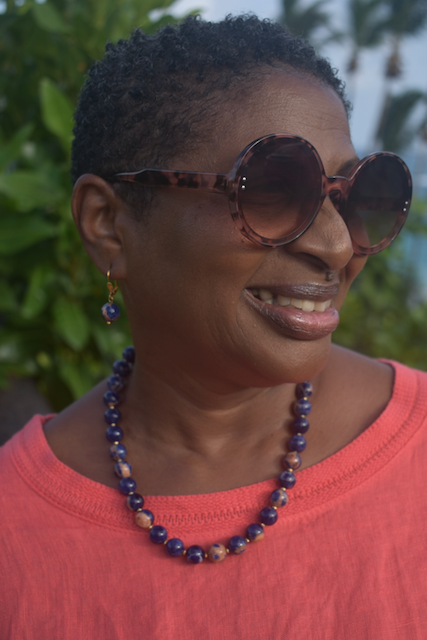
{"x":20,"y":232}
{"x":57,"y":112}
{"x":11,"y":150}
{"x":36,"y":297}
{"x":109,"y":339}
{"x":30,"y":189}
{"x":8,"y":301}
{"x":76,"y":377}
{"x":71,"y":323}
{"x":48,"y":18}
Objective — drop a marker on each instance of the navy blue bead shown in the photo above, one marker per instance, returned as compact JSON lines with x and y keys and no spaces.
{"x":255,"y":532}
{"x":127,"y":485}
{"x":302,"y":407}
{"x":110,"y":312}
{"x":268,"y":516}
{"x":287,"y":479}
{"x":122,"y":368}
{"x":112,"y":416}
{"x":114,"y":434}
{"x":175,"y":547}
{"x":237,"y":545}
{"x":297,"y":443}
{"x":304,"y":390}
{"x":129,"y":355}
{"x":118,"y":451}
{"x":301,"y":425}
{"x":135,"y":501}
{"x":158,"y":534}
{"x":115,"y":382}
{"x":195,"y":554}
{"x":111,"y":398}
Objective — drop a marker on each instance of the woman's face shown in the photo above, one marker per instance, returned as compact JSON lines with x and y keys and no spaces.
{"x":193,"y":282}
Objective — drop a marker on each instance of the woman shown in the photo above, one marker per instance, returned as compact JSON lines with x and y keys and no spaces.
{"x":228,"y":314}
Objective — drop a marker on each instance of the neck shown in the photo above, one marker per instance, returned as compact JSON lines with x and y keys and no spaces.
{"x":191,"y":416}
{"x":187,"y":438}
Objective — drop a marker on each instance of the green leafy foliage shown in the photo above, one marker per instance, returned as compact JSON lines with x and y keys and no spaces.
{"x":406,"y":17}
{"x":366,"y":28}
{"x":310,"y":20}
{"x":396,"y":130}
{"x":50,"y":323}
{"x":57,"y":112}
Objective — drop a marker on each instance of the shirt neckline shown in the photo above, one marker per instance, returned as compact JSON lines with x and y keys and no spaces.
{"x":320,"y":483}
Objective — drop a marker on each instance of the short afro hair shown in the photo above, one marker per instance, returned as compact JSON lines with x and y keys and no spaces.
{"x":154,"y":94}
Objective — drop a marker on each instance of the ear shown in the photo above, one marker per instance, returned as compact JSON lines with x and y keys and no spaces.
{"x":96,"y":211}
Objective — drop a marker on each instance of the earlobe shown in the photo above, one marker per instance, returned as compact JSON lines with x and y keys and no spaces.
{"x":96,"y":209}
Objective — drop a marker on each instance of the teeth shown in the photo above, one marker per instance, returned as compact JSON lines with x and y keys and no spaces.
{"x":265,"y":295}
{"x":319,"y":306}
{"x":308,"y":305}
{"x":305,"y":305}
{"x":296,"y":303}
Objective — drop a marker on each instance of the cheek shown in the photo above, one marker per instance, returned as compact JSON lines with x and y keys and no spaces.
{"x":189,"y":255}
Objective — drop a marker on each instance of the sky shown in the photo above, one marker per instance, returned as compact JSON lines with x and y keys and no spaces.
{"x":367,"y":91}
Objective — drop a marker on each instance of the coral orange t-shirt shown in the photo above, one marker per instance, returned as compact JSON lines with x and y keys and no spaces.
{"x":347,"y":559}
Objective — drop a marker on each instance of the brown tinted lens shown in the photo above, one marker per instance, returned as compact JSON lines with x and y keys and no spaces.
{"x":377,"y":202}
{"x":280,"y":188}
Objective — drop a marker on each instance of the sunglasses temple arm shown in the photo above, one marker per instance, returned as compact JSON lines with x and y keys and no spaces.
{"x":183,"y":179}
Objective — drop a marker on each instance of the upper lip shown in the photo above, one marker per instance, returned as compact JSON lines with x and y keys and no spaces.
{"x":306,"y":291}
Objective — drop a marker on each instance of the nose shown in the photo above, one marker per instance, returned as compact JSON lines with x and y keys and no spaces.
{"x":327,"y":239}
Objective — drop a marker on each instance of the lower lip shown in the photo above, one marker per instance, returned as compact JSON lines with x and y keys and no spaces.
{"x":298,"y":324}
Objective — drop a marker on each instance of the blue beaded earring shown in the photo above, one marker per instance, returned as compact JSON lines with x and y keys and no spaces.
{"x":110,"y":311}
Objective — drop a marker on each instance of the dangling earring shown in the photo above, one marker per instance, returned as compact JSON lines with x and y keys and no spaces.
{"x":110,"y":311}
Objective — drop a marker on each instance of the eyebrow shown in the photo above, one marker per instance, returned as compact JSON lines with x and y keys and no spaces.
{"x":345,"y":168}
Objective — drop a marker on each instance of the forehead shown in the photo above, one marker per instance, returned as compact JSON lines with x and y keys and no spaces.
{"x":282,"y":102}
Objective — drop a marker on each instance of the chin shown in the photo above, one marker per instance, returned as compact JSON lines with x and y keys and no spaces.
{"x":292,"y":361}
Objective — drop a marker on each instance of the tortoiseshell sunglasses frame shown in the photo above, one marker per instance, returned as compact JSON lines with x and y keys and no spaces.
{"x":337,"y":187}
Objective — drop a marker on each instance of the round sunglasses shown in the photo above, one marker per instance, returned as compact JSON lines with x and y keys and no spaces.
{"x":278,"y":184}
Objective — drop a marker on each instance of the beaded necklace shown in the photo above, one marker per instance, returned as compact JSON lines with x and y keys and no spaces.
{"x":145,"y":518}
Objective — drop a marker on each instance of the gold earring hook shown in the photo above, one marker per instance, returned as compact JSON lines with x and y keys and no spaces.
{"x":112,"y":288}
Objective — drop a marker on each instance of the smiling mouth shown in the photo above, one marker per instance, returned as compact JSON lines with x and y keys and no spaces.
{"x":268,"y":297}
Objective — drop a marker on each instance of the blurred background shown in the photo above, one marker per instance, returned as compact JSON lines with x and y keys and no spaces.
{"x":54,"y":344}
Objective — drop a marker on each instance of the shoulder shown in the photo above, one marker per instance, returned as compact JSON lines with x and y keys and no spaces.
{"x":360,"y":368}
{"x":374,"y":384}
{"x":363,"y":374}
{"x":26,"y":440}
{"x":354,"y":391}
{"x":360,"y":385}
{"x":22,"y":461}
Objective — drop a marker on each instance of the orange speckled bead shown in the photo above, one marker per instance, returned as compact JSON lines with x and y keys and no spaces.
{"x":122,"y":469}
{"x":144,"y":519}
{"x":255,"y":532}
{"x":217,"y":552}
{"x":259,"y":537}
{"x":292,"y":460}
{"x":279,"y":498}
